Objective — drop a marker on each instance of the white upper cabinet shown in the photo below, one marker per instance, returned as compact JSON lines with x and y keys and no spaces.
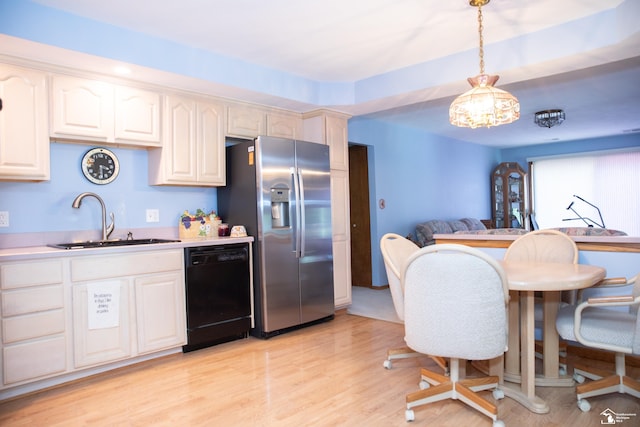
{"x":24,"y":138}
{"x":92,"y":110}
{"x":251,"y":121}
{"x":245,"y":122}
{"x":330,"y":128}
{"x":137,"y":115}
{"x":193,"y":149}
{"x":210,"y":148}
{"x":81,"y":108}
{"x":337,"y":140}
{"x":175,"y":162}
{"x":284,"y":125}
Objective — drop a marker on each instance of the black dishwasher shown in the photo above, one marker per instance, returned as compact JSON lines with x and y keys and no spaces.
{"x":218,"y":289}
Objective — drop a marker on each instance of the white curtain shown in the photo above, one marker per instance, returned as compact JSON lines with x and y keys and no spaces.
{"x":610,"y":181}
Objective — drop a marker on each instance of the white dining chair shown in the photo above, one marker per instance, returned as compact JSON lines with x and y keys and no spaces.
{"x":594,"y":324}
{"x":541,"y":246}
{"x":396,"y":250}
{"x":455,"y":307}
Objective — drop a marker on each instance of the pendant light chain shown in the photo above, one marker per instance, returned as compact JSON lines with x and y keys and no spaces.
{"x":484,"y":104}
{"x":480,"y":28}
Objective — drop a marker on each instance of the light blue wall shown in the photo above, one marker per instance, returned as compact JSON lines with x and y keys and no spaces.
{"x":420,"y":177}
{"x":46,"y":206}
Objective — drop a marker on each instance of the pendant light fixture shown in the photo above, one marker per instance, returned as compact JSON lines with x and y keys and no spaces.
{"x":483,"y":105}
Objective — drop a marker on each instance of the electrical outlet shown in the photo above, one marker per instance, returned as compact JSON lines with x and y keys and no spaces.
{"x":153,"y":215}
{"x":4,"y":218}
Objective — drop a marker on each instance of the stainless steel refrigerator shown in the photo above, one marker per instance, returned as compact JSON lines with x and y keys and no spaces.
{"x":279,"y":189}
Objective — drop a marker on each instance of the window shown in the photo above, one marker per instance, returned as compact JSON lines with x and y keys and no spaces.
{"x":565,"y":188}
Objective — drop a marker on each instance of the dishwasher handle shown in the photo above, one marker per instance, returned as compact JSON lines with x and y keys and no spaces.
{"x":207,"y":257}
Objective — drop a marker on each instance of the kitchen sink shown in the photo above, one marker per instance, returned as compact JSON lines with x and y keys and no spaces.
{"x":110,"y":243}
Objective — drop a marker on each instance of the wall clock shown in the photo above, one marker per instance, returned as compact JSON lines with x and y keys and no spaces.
{"x":100,"y":166}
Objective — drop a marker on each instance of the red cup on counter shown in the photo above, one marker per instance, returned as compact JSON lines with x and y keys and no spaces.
{"x":224,"y":230}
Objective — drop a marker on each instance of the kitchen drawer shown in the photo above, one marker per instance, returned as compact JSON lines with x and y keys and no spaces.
{"x":32,"y":300}
{"x":31,"y":360}
{"x":19,"y":328}
{"x":119,"y":265}
{"x":24,"y":274}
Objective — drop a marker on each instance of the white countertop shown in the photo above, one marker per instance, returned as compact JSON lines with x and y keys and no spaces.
{"x":11,"y":254}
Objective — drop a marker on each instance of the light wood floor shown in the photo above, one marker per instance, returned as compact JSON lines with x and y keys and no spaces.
{"x":326,"y":375}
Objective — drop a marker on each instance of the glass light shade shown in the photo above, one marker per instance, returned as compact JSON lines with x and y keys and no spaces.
{"x":484,"y":105}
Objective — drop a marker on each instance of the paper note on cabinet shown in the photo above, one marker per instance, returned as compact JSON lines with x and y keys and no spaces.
{"x":103,"y":305}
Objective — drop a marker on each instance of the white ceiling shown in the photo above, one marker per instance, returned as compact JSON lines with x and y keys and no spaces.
{"x":592,"y":72}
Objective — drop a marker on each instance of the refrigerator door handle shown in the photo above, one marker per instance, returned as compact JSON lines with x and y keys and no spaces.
{"x":303,"y":221}
{"x":297,"y":226}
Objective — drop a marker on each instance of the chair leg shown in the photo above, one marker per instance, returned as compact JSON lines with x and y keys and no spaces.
{"x":631,"y":386}
{"x":480,"y":384}
{"x":610,"y":384}
{"x":475,"y":401}
{"x":605,"y":383}
{"x":432,"y":377}
{"x":452,"y":387}
{"x":442,"y":362}
{"x":399,"y":353}
{"x":406,"y":353}
{"x":589,"y":372}
{"x":431,"y":394}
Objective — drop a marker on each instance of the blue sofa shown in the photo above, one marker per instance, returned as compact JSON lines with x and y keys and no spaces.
{"x":423,"y":235}
{"x":424,"y":231}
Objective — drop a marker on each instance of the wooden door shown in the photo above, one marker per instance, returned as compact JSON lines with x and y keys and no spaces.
{"x":359,"y":216}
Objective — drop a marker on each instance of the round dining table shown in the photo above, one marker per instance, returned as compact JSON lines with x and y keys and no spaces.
{"x":551,"y":279}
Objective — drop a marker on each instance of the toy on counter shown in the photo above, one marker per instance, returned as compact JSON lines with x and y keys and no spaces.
{"x":238,"y":231}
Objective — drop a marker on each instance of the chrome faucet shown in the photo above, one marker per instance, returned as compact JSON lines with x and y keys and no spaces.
{"x":106,"y":231}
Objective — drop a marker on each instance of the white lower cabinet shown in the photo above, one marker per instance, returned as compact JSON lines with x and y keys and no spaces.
{"x":30,"y":360}
{"x":342,"y":273}
{"x":33,"y":320}
{"x":341,"y":234}
{"x":96,"y":344}
{"x":160,"y":311}
{"x":135,"y":306}
{"x":67,"y":314}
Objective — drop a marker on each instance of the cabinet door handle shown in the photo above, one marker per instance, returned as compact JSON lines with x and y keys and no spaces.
{"x":0,"y":104}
